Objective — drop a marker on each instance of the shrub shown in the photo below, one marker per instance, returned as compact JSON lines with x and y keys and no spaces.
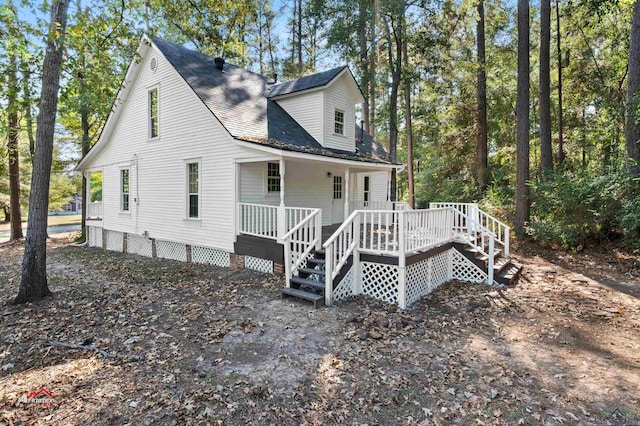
{"x":570,"y":208}
{"x":630,"y":223}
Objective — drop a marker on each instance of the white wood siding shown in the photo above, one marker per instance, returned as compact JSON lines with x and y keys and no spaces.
{"x":158,"y":177}
{"x":339,"y":96}
{"x":306,"y":109}
{"x":379,"y":186}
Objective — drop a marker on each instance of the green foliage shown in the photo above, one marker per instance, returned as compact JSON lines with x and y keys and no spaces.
{"x":95,"y":183}
{"x":630,"y":222}
{"x":571,"y":208}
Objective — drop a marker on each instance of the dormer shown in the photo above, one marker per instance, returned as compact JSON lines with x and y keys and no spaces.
{"x":324,"y":104}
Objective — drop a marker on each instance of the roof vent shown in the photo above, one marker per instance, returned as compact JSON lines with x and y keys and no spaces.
{"x":219,"y":63}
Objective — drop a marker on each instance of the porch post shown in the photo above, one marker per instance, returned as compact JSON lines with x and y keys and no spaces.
{"x":236,"y":198}
{"x":356,"y":285}
{"x":402,"y":261}
{"x":282,"y":217}
{"x":346,"y":193}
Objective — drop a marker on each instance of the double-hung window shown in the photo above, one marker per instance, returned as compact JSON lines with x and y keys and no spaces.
{"x":124,"y":190}
{"x":153,"y":113}
{"x":193,"y":189}
{"x":273,"y":177}
{"x":338,"y":125}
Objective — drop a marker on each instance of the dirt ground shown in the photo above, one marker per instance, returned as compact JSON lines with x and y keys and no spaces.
{"x":220,"y":347}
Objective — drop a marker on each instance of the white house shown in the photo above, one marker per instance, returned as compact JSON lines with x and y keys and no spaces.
{"x":204,"y":161}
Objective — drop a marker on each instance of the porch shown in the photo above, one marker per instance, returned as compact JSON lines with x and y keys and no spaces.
{"x":394,"y":254}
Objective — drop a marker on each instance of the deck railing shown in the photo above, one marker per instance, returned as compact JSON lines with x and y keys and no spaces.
{"x":478,"y":237}
{"x":378,"y":205}
{"x":338,"y":248}
{"x":384,"y":232}
{"x":295,"y":215}
{"x":473,"y":212}
{"x":94,"y":210}
{"x":258,"y":220}
{"x":304,"y":237}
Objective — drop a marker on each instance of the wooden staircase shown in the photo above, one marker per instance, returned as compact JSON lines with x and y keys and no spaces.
{"x":309,"y":284}
{"x":505,"y":270}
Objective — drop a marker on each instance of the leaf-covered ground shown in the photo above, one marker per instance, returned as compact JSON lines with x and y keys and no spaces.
{"x":220,"y":347}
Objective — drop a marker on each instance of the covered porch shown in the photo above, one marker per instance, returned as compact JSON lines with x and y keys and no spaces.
{"x":274,"y":194}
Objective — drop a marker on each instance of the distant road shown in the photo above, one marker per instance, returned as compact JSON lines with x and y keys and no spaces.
{"x":51,"y":230}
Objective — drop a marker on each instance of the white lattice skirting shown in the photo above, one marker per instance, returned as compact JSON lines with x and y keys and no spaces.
{"x":465,"y":270}
{"x":344,"y":289}
{"x":94,"y":236}
{"x":210,"y":256}
{"x":137,"y":244}
{"x":380,"y":281}
{"x":425,"y":276}
{"x":171,"y":250}
{"x":257,"y":264}
{"x":114,"y":241}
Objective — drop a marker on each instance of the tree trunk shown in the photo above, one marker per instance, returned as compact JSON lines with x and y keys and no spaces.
{"x":481,"y":113}
{"x":396,"y":73}
{"x":364,"y":61}
{"x":85,"y":141}
{"x":546,"y":156}
{"x":409,"y":128}
{"x":12,"y":149}
{"x":522,"y":121}
{"x":299,"y":30}
{"x":632,"y":127}
{"x":33,"y":285}
{"x":560,"y":124}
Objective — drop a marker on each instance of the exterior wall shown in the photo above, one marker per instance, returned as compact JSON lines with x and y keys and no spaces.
{"x":305,"y":108}
{"x":305,"y":184}
{"x":338,"y":95}
{"x":158,"y":178}
{"x":379,"y":186}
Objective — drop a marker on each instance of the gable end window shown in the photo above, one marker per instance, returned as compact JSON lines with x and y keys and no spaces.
{"x":273,"y":177}
{"x":193,"y":196}
{"x":338,"y":124}
{"x":124,"y":190}
{"x":153,"y":113}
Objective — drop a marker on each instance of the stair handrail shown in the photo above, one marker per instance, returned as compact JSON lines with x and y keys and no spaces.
{"x":307,"y":236}
{"x":340,"y":245}
{"x":499,"y":228}
{"x":474,"y":229}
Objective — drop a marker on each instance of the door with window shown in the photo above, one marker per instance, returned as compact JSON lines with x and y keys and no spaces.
{"x":366,"y":191}
{"x":337,"y":213}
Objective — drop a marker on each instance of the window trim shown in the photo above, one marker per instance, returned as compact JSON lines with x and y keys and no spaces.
{"x":188,"y":193}
{"x":150,"y":119}
{"x":336,"y":122}
{"x":268,"y":191}
{"x":121,"y":190}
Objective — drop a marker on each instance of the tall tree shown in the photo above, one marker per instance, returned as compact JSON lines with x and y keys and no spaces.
{"x":522,"y":202}
{"x":546,"y":156}
{"x":632,"y":126}
{"x":33,"y":285}
{"x":12,"y":148}
{"x":408,"y":124}
{"x":481,"y":113}
{"x":560,"y":122}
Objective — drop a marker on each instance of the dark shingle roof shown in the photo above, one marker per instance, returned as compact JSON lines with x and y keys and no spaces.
{"x":239,"y":100}
{"x":304,"y":83}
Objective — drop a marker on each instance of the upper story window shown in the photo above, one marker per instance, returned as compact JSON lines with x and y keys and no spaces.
{"x":193,"y":196}
{"x":273,"y":177}
{"x":124,"y":190}
{"x":338,"y":124}
{"x":153,"y":113}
